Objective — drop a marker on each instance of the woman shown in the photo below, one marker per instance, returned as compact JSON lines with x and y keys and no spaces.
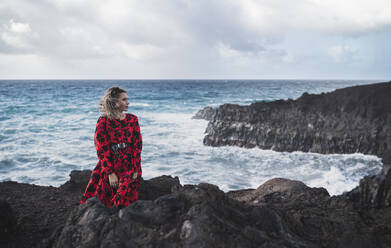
{"x":116,"y":177}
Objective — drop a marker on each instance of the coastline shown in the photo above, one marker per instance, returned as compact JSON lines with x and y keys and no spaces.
{"x":278,"y":213}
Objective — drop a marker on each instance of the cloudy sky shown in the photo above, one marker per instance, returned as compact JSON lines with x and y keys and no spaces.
{"x":195,"y":39}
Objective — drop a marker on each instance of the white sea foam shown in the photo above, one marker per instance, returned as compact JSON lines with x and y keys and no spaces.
{"x":173,"y":145}
{"x":138,"y":104}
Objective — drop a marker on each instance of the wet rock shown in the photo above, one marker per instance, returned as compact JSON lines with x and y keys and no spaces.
{"x":206,"y":113}
{"x":374,"y":191}
{"x":347,"y":120}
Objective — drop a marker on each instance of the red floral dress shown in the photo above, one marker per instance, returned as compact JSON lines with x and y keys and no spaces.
{"x":125,"y":163}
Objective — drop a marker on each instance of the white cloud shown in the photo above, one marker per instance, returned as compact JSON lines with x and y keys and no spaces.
{"x":18,"y":35}
{"x":342,"y":53}
{"x":18,"y":27}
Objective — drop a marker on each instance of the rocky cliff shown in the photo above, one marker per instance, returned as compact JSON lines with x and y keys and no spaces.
{"x":347,"y":120}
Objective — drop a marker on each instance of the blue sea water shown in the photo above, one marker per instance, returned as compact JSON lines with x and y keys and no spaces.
{"x":47,"y":129}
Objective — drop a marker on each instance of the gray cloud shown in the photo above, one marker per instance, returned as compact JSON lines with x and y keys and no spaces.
{"x":186,"y":38}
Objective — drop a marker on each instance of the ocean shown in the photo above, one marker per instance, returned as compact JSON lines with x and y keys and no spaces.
{"x":47,"y":129}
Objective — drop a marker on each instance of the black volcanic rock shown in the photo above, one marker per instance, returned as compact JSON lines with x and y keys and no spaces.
{"x":375,"y":191}
{"x":206,"y":113}
{"x":347,"y":120}
{"x":279,"y":213}
{"x":157,"y":186}
{"x":7,"y":222}
{"x":34,"y":216}
{"x":290,"y":189}
{"x":77,"y":182}
{"x":194,"y":216}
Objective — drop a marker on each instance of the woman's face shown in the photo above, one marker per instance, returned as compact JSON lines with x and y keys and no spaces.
{"x":123,"y":102}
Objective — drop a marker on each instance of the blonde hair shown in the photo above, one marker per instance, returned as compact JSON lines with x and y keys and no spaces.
{"x":108,"y":105}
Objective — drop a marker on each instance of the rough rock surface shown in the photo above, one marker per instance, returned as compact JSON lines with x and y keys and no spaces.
{"x":279,"y":213}
{"x":34,"y":216}
{"x":8,"y":222}
{"x":346,"y":120}
{"x":194,"y":216}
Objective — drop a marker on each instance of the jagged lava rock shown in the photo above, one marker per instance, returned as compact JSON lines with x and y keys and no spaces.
{"x":348,"y":120}
{"x":193,"y":216}
{"x":279,"y":213}
{"x":34,"y":216}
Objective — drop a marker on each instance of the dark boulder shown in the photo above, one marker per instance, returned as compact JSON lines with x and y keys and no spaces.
{"x":157,"y":186}
{"x":193,"y":216}
{"x":77,"y":182}
{"x":282,"y":190}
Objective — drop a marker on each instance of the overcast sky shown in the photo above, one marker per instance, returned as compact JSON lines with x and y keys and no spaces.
{"x":195,"y":39}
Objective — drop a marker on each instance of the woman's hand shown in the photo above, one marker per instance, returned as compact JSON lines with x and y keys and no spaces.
{"x":113,"y":180}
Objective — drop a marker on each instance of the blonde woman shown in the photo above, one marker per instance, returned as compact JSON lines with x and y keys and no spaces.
{"x":116,"y":177}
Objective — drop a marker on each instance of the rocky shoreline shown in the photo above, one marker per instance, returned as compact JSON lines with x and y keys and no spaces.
{"x":279,"y":213}
{"x":349,"y":120}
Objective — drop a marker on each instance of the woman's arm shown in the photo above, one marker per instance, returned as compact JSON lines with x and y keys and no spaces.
{"x":102,"y":145}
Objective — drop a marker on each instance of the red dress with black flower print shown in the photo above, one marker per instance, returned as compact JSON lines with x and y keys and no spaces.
{"x":124,"y":163}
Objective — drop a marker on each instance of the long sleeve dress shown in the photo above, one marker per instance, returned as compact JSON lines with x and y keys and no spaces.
{"x":125,"y":163}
